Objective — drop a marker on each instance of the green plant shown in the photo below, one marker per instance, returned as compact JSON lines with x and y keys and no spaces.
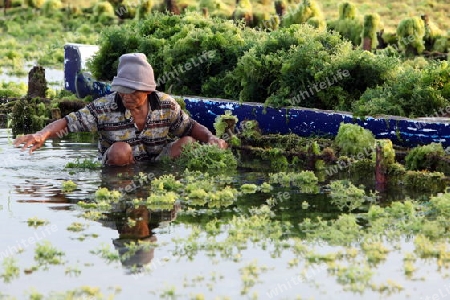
{"x":105,"y":252}
{"x":307,"y":181}
{"x":424,"y":157}
{"x":413,"y":93}
{"x":77,"y":227}
{"x":35,"y":3}
{"x":276,"y":157}
{"x":370,"y":28}
{"x":166,"y":183}
{"x":68,"y":186}
{"x":304,"y":11}
{"x":265,"y":187}
{"x":250,"y":129}
{"x":347,"y":11}
{"x":411,"y":32}
{"x":196,"y":156}
{"x":349,"y":24}
{"x":190,"y":54}
{"x":103,"y":194}
{"x":28,"y":116}
{"x":51,"y":7}
{"x":387,"y":151}
{"x":346,"y":196}
{"x":225,"y":122}
{"x":11,"y":269}
{"x":84,"y":164}
{"x":249,"y":188}
{"x":244,"y":11}
{"x":103,"y":12}
{"x":354,"y":139}
{"x":424,"y":181}
{"x":46,"y":254}
{"x":258,"y":70}
{"x":303,"y":178}
{"x":320,"y":72}
{"x":441,"y":203}
{"x":13,"y":89}
{"x":161,"y":201}
{"x":36,"y":222}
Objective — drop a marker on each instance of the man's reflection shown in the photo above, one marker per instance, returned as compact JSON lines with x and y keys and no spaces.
{"x":136,"y":242}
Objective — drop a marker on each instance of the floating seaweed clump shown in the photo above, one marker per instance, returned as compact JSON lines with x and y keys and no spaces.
{"x":346,"y":196}
{"x":207,"y":189}
{"x":206,"y":157}
{"x":344,"y":230}
{"x":167,"y":182}
{"x":292,"y":178}
{"x":36,"y":222}
{"x":441,"y":203}
{"x":161,"y":201}
{"x":77,"y":227}
{"x":104,"y":251}
{"x":249,"y":188}
{"x":194,"y":188}
{"x":104,"y":200}
{"x":11,"y":269}
{"x":68,"y":186}
{"x":265,"y":187}
{"x":307,"y":181}
{"x":103,"y":194}
{"x":84,"y":164}
{"x":46,"y":254}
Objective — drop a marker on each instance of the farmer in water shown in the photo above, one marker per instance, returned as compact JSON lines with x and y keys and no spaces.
{"x":135,"y":123}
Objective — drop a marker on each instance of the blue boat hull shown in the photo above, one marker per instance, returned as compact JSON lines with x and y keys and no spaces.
{"x":302,"y":121}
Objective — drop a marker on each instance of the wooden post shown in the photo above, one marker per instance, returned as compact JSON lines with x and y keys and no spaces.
{"x":37,"y":85}
{"x":380,"y":170}
{"x":367,"y":44}
{"x":280,"y":8}
{"x":311,"y":158}
{"x":172,"y":7}
{"x":6,"y":4}
{"x":205,"y":12}
{"x":381,"y":43}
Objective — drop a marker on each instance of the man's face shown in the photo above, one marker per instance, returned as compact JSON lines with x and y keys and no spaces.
{"x":134,"y":100}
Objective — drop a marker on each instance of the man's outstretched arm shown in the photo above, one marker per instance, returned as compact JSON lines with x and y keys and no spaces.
{"x":202,"y":134}
{"x":36,"y":140}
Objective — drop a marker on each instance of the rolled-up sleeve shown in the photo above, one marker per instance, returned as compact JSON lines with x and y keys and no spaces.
{"x":85,"y":119}
{"x":181,"y":123}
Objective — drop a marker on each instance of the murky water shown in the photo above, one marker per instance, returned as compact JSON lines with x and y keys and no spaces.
{"x":30,"y":187}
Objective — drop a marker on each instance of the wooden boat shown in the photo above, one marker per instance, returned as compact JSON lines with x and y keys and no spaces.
{"x":302,"y":121}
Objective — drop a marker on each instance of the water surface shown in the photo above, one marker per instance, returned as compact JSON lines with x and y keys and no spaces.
{"x":30,"y":186}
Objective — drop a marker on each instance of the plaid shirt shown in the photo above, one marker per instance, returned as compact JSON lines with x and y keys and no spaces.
{"x":114,"y":123}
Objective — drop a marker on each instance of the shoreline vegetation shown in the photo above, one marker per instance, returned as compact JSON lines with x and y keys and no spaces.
{"x":403,"y":71}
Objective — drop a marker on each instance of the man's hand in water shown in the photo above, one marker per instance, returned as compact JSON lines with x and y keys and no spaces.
{"x":33,"y":141}
{"x":36,"y":140}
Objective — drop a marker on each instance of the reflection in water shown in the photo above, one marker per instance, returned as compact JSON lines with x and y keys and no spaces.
{"x":135,"y":243}
{"x":37,"y":191}
{"x":135,"y":225}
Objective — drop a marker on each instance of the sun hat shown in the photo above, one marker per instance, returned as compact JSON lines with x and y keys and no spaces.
{"x":134,"y":73}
